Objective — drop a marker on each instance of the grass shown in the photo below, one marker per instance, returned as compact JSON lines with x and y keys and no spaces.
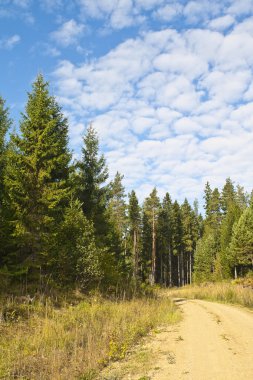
{"x":231,"y":293}
{"x":41,"y":341}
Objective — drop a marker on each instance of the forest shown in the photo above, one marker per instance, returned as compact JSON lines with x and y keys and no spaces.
{"x":64,"y":225}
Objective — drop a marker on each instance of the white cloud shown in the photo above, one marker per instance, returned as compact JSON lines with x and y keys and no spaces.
{"x":168,"y":12}
{"x":170,"y":106}
{"x":221,"y":23}
{"x":9,"y":42}
{"x":68,"y":34}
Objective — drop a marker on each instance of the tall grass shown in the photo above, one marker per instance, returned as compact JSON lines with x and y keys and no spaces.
{"x":75,"y":342}
{"x":222,"y":292}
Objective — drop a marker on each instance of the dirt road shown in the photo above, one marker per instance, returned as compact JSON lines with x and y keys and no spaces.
{"x":213,"y":341}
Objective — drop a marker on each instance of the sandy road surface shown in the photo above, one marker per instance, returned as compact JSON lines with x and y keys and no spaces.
{"x":213,"y":341}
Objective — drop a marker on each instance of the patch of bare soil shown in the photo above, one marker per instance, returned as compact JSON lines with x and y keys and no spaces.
{"x":212,"y":342}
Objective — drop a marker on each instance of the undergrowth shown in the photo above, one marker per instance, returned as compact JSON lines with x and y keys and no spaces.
{"x":232,"y":293}
{"x":41,"y":341}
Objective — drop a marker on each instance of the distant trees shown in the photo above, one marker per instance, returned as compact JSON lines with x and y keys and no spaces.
{"x":225,"y":246}
{"x":65,"y":224}
{"x":241,"y":245}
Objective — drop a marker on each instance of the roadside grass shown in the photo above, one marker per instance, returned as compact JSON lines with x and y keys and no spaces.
{"x":231,"y":293}
{"x":40,"y":341}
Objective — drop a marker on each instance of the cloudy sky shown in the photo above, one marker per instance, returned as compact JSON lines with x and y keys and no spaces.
{"x":167,"y":84}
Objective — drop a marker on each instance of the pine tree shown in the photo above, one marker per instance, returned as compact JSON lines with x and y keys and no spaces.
{"x":241,"y":198}
{"x":151,"y":210}
{"x":177,"y":232}
{"x":164,"y":244}
{"x":37,"y":176}
{"x":146,"y":246}
{"x":207,"y":198}
{"x":134,"y":218}
{"x":117,"y":206}
{"x":188,"y":240}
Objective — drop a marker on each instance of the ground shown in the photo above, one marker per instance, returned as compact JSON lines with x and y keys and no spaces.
{"x":212,"y":342}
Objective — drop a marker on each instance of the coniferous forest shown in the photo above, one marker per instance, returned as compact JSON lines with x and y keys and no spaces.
{"x":64,"y":225}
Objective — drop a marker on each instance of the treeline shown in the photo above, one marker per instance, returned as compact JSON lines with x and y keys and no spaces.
{"x":63,"y":224}
{"x":226,"y":248}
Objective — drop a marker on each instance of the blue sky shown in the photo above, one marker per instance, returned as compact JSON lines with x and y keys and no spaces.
{"x":167,"y":84}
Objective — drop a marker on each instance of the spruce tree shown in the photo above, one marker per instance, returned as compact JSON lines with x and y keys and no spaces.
{"x":77,"y":259}
{"x":37,"y":176}
{"x":227,"y":195}
{"x":5,"y":124}
{"x":91,"y":183}
{"x":242,"y":240}
{"x":204,"y":259}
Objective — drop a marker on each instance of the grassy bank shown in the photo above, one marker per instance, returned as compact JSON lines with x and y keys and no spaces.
{"x":74,"y":342}
{"x":221,"y":292}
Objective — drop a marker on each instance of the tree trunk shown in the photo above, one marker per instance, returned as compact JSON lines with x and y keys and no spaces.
{"x":161,"y":270}
{"x":153,"y":261}
{"x":136,"y":259}
{"x":235,"y":272}
{"x":190,"y":268}
{"x":183,"y":275}
{"x":170,"y":269}
{"x":187,"y":268}
{"x":178,"y":271}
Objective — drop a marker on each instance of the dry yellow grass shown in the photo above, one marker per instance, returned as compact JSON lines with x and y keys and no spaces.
{"x":223,"y":292}
{"x":75,"y":342}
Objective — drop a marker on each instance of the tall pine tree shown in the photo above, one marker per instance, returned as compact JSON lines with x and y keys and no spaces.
{"x":134,"y":219}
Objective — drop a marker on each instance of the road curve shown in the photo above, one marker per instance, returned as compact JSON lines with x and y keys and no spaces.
{"x":212,"y":342}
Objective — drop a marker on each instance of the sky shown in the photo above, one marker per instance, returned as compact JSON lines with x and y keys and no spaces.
{"x":168,"y":85}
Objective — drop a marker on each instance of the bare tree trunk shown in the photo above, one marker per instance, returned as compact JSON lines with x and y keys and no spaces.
{"x":190,"y":268}
{"x":187,"y":268}
{"x":170,"y":269}
{"x":183,"y":275}
{"x":178,"y":270}
{"x":153,"y":261}
{"x":162,"y":270}
{"x":235,"y":272}
{"x":136,"y":259}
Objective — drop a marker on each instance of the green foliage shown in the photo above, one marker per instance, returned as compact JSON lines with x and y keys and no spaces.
{"x":77,"y":257}
{"x":177,"y":228}
{"x":151,"y":211}
{"x":134,"y":222}
{"x":65,"y":225}
{"x":242,"y":239}
{"x":5,"y":124}
{"x":36,"y":176}
{"x":92,"y":174}
{"x":205,"y":258}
